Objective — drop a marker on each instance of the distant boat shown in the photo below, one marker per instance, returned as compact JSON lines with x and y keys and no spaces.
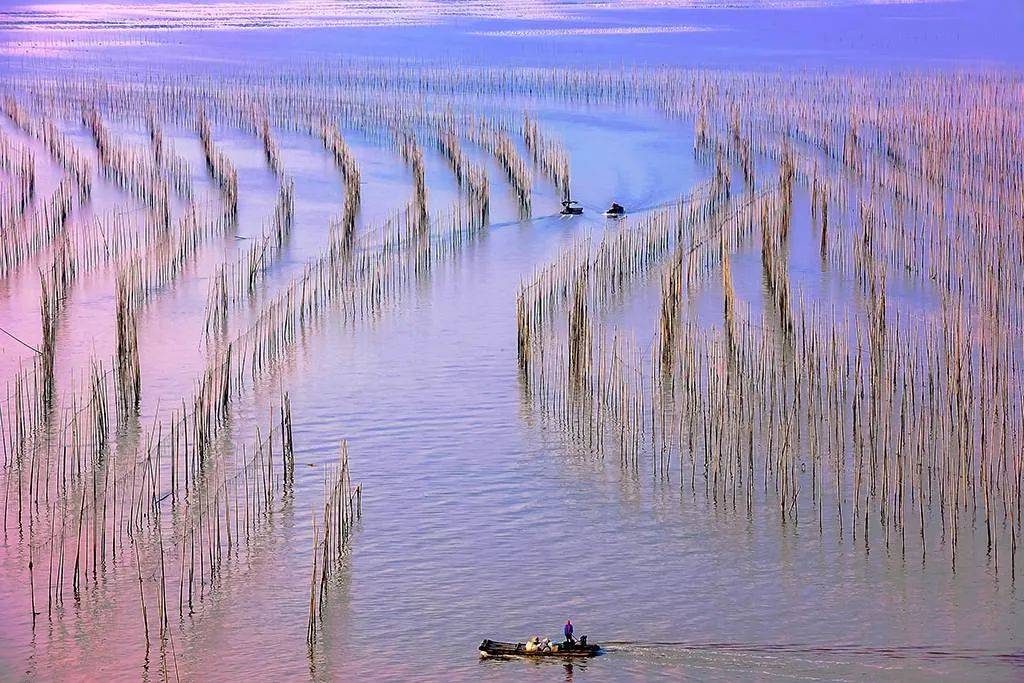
{"x":496,"y":648}
{"x":571,"y":208}
{"x":615,"y":210}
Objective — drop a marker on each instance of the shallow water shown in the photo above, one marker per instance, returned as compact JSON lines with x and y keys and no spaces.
{"x":479,"y":520}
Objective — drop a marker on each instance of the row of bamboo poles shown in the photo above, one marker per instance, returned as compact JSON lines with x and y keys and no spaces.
{"x":886,"y":424}
{"x":76,"y":486}
{"x":18,"y":190}
{"x":235,"y":282}
{"x":342,"y":510}
{"x":909,"y":425}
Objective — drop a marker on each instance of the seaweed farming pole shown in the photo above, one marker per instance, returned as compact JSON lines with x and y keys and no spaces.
{"x":219,"y":166}
{"x":547,"y":153}
{"x":498,"y":143}
{"x":342,"y":509}
{"x":128,"y":372}
{"x":236,"y":282}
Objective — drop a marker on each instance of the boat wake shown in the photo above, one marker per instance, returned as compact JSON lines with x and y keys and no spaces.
{"x":919,"y":652}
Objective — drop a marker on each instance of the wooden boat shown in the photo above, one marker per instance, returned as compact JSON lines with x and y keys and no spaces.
{"x":570,"y":208}
{"x":496,"y":648}
{"x":615,"y":210}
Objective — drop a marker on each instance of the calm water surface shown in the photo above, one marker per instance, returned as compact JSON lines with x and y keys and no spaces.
{"x":478,"y":519}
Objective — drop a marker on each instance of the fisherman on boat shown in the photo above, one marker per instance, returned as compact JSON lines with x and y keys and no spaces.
{"x":568,"y":631}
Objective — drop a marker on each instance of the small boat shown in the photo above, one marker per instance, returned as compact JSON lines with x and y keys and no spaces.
{"x":581,"y":648}
{"x":571,"y":208}
{"x":615,"y":210}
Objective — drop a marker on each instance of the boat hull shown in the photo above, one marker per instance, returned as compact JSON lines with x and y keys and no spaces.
{"x":495,"y":648}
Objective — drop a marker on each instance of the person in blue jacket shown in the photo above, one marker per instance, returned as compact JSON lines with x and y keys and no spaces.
{"x":568,"y":632}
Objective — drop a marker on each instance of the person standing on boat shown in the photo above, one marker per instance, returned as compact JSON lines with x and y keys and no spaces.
{"x":568,"y":631}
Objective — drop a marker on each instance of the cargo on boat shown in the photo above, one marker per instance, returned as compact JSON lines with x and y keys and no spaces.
{"x":496,"y":648}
